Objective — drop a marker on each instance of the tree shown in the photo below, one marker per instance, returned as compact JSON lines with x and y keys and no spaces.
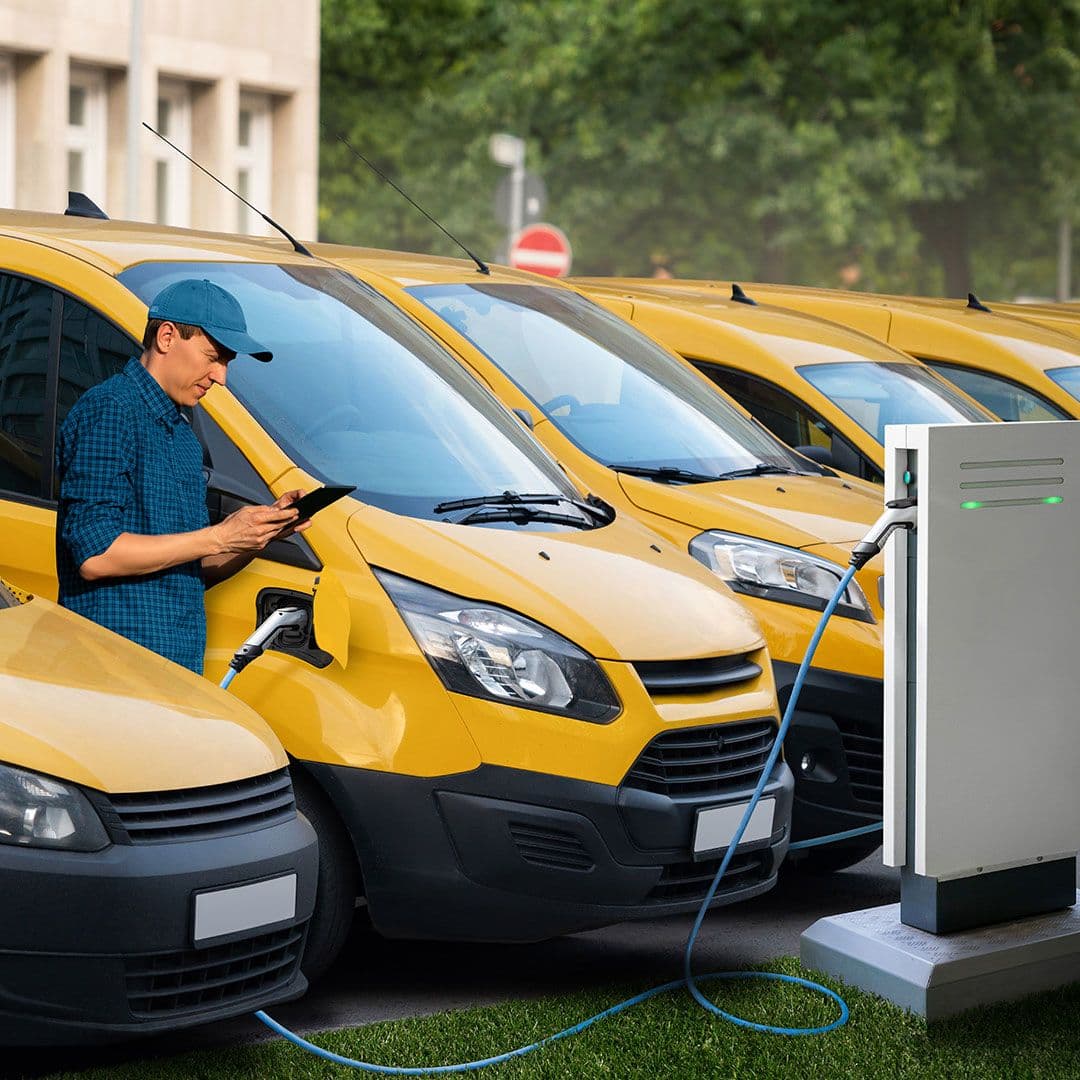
{"x":924,"y":146}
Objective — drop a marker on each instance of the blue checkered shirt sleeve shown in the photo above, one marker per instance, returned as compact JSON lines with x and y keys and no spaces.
{"x":99,"y":462}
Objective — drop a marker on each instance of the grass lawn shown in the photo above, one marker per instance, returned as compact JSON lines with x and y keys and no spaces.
{"x":670,"y":1037}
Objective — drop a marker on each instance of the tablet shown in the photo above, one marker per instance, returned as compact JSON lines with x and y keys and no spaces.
{"x":310,"y":504}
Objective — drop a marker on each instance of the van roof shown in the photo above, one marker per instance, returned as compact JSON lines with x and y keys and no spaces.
{"x":777,"y":330}
{"x":113,"y":246}
{"x":411,"y":268}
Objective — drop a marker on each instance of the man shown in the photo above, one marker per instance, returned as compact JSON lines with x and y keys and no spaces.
{"x":135,"y":549}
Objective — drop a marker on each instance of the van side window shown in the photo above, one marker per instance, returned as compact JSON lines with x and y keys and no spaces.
{"x":789,"y":419}
{"x":25,"y":323}
{"x":91,"y":350}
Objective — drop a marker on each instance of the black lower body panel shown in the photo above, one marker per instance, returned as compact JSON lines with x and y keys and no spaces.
{"x":96,"y":947}
{"x":499,"y":854}
{"x":835,"y":749}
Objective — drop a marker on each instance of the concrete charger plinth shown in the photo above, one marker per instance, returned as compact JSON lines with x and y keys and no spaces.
{"x":940,"y":975}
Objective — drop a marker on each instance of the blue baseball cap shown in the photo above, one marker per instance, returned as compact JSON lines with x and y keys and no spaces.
{"x":213,"y":310}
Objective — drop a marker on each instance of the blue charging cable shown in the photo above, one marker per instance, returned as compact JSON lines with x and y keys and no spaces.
{"x":689,"y":980}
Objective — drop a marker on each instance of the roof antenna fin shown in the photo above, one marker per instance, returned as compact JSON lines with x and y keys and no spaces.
{"x":481,"y":266}
{"x":297,"y":246}
{"x":975,"y":304}
{"x":80,"y":205}
{"x":738,"y":294}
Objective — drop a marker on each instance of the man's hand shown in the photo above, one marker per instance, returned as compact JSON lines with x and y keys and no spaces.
{"x":284,"y":503}
{"x":251,"y":528}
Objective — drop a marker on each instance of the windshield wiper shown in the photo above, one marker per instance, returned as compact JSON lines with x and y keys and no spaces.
{"x":520,"y":515}
{"x":666,"y":474}
{"x":506,"y":498}
{"x":762,"y":468}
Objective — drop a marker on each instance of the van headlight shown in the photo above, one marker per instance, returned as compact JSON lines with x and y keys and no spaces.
{"x":490,"y":652}
{"x":773,"y":572}
{"x":37,"y":811}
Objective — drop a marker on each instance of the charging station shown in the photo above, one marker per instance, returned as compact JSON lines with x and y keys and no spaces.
{"x":982,"y":725}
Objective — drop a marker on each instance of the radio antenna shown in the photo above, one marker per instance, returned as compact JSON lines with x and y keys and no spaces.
{"x":481,"y":266}
{"x":297,"y":246}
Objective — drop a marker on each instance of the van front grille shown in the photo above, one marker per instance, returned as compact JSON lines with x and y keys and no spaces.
{"x":690,"y":881}
{"x":197,"y":813}
{"x":704,"y":760}
{"x":169,"y":984}
{"x":668,"y":677}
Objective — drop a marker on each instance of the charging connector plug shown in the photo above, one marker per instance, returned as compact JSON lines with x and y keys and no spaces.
{"x":278,"y":620}
{"x":899,"y":514}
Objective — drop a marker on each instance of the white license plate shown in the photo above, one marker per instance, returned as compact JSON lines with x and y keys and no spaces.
{"x":716,"y":826}
{"x":244,"y":907}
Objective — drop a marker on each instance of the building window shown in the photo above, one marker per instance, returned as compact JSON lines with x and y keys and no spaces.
{"x":86,"y":133}
{"x":253,"y":158}
{"x":172,"y":174}
{"x":7,"y":131}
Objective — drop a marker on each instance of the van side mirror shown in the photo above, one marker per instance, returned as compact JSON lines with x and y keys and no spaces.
{"x":524,"y":416}
{"x":822,"y":455}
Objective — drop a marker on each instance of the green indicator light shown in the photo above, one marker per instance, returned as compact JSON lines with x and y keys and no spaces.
{"x":907,"y":476}
{"x":970,"y":505}
{"x":1053,"y":499}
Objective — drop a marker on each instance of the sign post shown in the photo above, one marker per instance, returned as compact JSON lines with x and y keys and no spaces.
{"x":542,"y":249}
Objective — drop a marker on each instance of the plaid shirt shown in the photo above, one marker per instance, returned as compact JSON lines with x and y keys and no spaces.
{"x":128,"y":461}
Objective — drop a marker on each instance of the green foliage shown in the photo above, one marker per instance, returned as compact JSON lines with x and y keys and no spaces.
{"x":932,"y":144}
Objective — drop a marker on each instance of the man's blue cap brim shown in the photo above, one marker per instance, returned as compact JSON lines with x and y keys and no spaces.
{"x":238,"y":342}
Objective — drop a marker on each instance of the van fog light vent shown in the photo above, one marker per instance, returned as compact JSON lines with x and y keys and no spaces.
{"x":704,"y":760}
{"x":555,"y":849}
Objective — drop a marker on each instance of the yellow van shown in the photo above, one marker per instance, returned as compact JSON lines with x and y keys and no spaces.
{"x":155,"y":871}
{"x":824,"y":389}
{"x":541,"y":701}
{"x":654,"y":438}
{"x":998,"y":360}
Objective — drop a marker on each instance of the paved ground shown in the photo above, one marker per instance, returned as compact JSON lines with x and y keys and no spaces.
{"x":382,"y":980}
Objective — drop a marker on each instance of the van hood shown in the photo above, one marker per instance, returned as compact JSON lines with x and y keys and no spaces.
{"x":85,"y":705}
{"x":619,"y":592}
{"x":796,"y":511}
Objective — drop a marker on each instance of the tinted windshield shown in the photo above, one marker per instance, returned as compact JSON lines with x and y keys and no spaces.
{"x":1002,"y":397}
{"x":619,"y":396}
{"x":874,"y":395}
{"x":7,"y":597}
{"x":1068,"y":378}
{"x":358,"y":394}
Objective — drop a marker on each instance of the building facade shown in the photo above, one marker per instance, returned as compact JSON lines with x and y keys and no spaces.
{"x":235,"y":83}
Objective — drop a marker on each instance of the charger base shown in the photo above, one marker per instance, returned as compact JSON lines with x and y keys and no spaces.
{"x":941,"y":975}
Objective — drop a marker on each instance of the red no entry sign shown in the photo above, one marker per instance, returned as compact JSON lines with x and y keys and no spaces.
{"x":543,"y":249}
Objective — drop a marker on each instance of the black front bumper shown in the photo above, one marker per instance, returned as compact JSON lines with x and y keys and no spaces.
{"x":838,"y":730}
{"x":501,"y":854}
{"x":99,"y":946}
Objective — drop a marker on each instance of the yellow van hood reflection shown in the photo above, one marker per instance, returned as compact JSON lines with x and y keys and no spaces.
{"x":608,"y":590}
{"x":82,"y":704}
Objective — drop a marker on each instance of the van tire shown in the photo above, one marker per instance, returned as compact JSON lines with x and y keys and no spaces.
{"x":338,"y":881}
{"x":831,"y":858}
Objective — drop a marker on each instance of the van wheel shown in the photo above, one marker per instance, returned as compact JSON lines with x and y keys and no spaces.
{"x":338,"y":882}
{"x":830,"y":858}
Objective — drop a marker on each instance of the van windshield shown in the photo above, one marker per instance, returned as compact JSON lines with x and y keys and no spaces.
{"x":618,"y":395}
{"x":875,"y":394}
{"x":358,"y":394}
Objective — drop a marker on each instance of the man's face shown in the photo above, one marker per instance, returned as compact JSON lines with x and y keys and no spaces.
{"x":189,"y":368}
